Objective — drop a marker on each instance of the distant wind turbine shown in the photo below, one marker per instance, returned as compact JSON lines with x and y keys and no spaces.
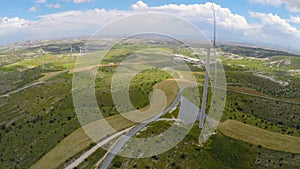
{"x":80,"y":49}
{"x":71,"y":51}
{"x":202,"y":114}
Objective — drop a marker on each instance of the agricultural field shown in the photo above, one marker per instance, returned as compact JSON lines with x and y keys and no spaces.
{"x":40,"y":128}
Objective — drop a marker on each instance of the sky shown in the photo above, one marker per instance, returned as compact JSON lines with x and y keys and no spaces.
{"x":274,"y":23}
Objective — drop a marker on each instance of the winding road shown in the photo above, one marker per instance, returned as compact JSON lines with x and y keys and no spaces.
{"x":22,"y":88}
{"x":93,"y":149}
{"x":124,"y":139}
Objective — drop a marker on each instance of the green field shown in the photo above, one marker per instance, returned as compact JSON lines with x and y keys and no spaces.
{"x":39,"y":127}
{"x":78,"y":141}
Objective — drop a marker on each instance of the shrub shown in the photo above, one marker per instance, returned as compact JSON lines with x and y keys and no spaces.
{"x":118,"y":164}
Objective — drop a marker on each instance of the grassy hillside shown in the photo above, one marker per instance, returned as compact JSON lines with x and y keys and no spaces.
{"x":257,"y":136}
{"x":219,"y":152}
{"x":253,"y":51}
{"x":39,"y":126}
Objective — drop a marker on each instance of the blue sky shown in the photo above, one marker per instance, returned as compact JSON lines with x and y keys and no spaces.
{"x":252,"y":21}
{"x":19,"y":8}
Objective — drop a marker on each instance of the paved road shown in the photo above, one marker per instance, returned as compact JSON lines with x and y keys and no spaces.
{"x":22,"y":88}
{"x":124,"y":139}
{"x":92,"y":150}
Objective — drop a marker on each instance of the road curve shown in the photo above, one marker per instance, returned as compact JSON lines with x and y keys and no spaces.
{"x":92,"y":150}
{"x":123,"y":140}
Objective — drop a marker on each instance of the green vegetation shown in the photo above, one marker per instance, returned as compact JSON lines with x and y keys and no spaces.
{"x":142,"y":85}
{"x":219,"y":152}
{"x":92,"y":160}
{"x":14,"y":79}
{"x":25,"y":141}
{"x":78,"y":141}
{"x":259,"y":111}
{"x":39,"y":127}
{"x":253,"y":52}
{"x":276,"y":159}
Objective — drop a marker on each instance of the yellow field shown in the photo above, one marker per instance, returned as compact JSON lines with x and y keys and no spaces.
{"x":258,"y":136}
{"x":50,"y":75}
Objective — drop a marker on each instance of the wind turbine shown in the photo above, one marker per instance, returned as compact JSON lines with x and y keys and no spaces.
{"x":215,"y":42}
{"x":71,"y":51}
{"x":80,"y":49}
{"x":202,"y":114}
{"x":42,"y":56}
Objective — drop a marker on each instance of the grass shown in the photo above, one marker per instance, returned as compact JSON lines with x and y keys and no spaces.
{"x":34,"y":100}
{"x":247,"y":79}
{"x":239,"y":72}
{"x":25,"y":141}
{"x":40,"y":122}
{"x":277,"y":112}
{"x":93,"y":159}
{"x":52,"y":61}
{"x":65,"y":151}
{"x":78,"y":140}
{"x":295,"y":62}
{"x":267,"y":158}
{"x":257,"y":136}
{"x":142,"y":85}
{"x":14,"y":79}
{"x":34,"y":120}
{"x":49,"y":75}
{"x":219,"y":152}
{"x":253,"y":51}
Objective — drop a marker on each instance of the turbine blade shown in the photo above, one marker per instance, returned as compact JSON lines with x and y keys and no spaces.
{"x":214,"y":11}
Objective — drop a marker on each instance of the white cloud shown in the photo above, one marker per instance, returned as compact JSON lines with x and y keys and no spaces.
{"x":200,"y":12}
{"x":34,"y":8}
{"x":41,"y":1}
{"x":139,"y":5}
{"x":13,"y":22}
{"x":291,"y":5}
{"x":57,"y":5}
{"x":81,"y":1}
{"x":277,"y":31}
{"x":57,"y":25}
{"x":10,"y":27}
{"x":230,"y":26}
{"x":267,"y":2}
{"x":274,"y":22}
{"x":295,"y":19}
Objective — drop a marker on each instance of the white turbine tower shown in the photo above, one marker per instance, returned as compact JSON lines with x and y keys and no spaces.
{"x":202,"y":114}
{"x":71,"y":51}
{"x":80,"y":49}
